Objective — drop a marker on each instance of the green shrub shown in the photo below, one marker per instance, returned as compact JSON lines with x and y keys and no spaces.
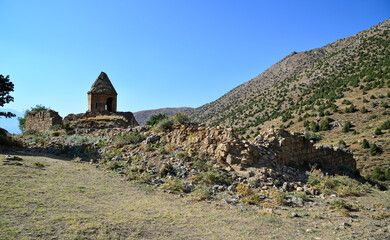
{"x":69,"y":129}
{"x":341,"y":206}
{"x":374,"y":150}
{"x":347,"y":127}
{"x":351,"y":109}
{"x":365,"y":144}
{"x":314,"y":127}
{"x":385,"y":125}
{"x":165,"y":124}
{"x":39,"y":164}
{"x":155,"y":119}
{"x":213,"y":176}
{"x":55,"y":133}
{"x":363,"y":110}
{"x":278,"y":197}
{"x":378,"y":131}
{"x":133,"y":137}
{"x":384,"y":105}
{"x":203,"y":192}
{"x":173,"y":184}
{"x":341,"y":185}
{"x":181,"y":118}
{"x":346,"y":102}
{"x":324,"y":125}
{"x":342,"y":143}
{"x":380,"y":175}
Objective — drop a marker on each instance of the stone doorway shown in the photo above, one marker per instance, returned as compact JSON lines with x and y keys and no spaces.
{"x":109,"y":104}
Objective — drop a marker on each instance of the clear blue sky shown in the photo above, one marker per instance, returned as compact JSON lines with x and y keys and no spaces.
{"x":160,"y":53}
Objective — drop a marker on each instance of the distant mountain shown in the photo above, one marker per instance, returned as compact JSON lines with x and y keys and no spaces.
{"x":143,"y":116}
{"x":319,"y":91}
{"x":10,"y":124}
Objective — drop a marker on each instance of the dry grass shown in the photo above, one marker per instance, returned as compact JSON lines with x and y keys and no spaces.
{"x":72,"y":200}
{"x":69,"y":200}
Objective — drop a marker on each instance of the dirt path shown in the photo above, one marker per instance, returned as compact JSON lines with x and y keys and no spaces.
{"x":70,"y":200}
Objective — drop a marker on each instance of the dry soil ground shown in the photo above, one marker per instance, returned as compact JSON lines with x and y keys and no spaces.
{"x":53,"y":198}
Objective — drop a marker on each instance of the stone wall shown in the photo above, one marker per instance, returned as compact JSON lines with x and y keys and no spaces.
{"x":295,"y":150}
{"x":91,"y":121}
{"x":42,"y":120}
{"x":99,"y":102}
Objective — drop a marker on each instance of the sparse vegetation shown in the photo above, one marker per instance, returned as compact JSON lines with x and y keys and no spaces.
{"x":165,"y":124}
{"x":155,"y":119}
{"x":379,"y":174}
{"x":340,"y":185}
{"x":365,"y":144}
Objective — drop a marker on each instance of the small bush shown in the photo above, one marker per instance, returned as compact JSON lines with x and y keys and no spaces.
{"x":181,"y":118}
{"x":346,"y":102}
{"x":385,"y":125}
{"x":165,"y":124}
{"x":365,"y":144}
{"x":341,"y":185}
{"x":155,"y":119}
{"x":374,"y":150}
{"x":342,"y":143}
{"x":324,"y":126}
{"x":380,"y":175}
{"x":341,"y":206}
{"x":278,"y":197}
{"x":39,"y":164}
{"x":378,"y":131}
{"x":351,"y":109}
{"x":213,"y":176}
{"x":203,"y":192}
{"x":133,"y":137}
{"x":314,"y":127}
{"x":363,"y":110}
{"x":347,"y":127}
{"x":69,"y":129}
{"x":173,"y":184}
{"x":55,"y":133}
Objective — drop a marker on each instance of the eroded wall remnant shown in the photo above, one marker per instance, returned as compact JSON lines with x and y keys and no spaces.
{"x":42,"y":121}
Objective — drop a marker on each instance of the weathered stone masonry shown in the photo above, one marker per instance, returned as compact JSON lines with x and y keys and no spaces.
{"x":43,"y":120}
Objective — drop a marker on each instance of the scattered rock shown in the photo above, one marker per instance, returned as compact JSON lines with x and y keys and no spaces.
{"x":293,"y":214}
{"x":13,"y":158}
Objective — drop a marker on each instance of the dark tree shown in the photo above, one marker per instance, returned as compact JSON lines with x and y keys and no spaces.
{"x":6,"y":86}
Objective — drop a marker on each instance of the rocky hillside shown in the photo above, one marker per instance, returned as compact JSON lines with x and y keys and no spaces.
{"x":338,"y":94}
{"x":143,"y":116}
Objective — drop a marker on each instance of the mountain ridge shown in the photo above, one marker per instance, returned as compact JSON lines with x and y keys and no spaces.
{"x":344,"y":82}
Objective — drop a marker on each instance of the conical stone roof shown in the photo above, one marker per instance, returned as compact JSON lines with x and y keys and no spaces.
{"x":103,"y":85}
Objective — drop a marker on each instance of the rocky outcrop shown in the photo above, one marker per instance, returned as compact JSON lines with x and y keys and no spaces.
{"x":269,"y":149}
{"x":42,"y":121}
